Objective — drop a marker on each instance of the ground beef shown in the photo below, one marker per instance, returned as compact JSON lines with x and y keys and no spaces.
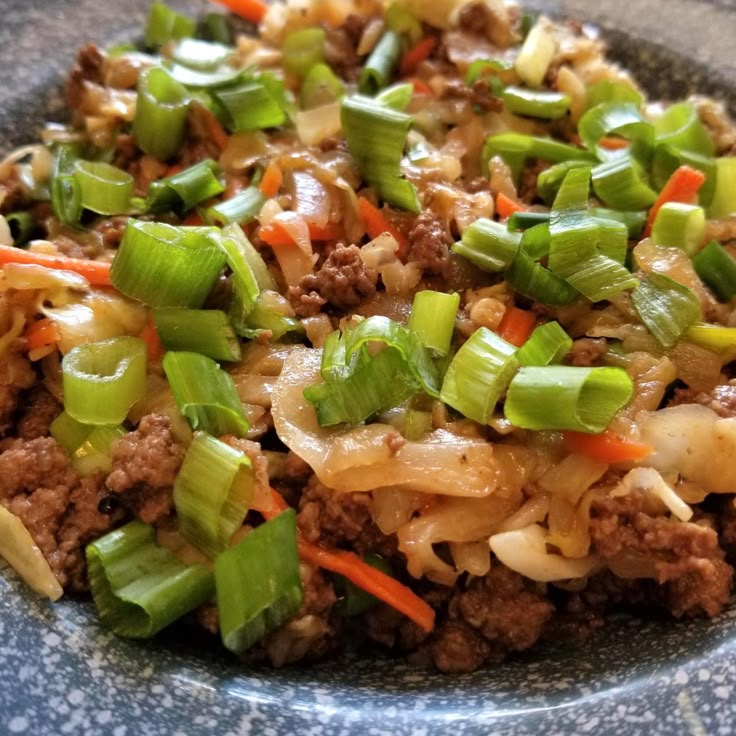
{"x":687,"y":557}
{"x":341,"y":44}
{"x":111,"y":231}
{"x":458,"y":647}
{"x":40,"y":408}
{"x":720,"y":126}
{"x":90,"y":67}
{"x":478,"y":94}
{"x":144,"y":467}
{"x":336,"y":517}
{"x":726,"y":519}
{"x":39,"y":463}
{"x":429,"y":244}
{"x":528,"y":184}
{"x":475,"y":18}
{"x":586,"y":351}
{"x":385,"y":625}
{"x":343,"y":281}
{"x":722,"y":399}
{"x":16,"y":374}
{"x":12,"y":193}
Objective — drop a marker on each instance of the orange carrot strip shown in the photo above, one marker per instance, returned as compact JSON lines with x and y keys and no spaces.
{"x":217,"y":133}
{"x":42,"y":333}
{"x":174,"y":169}
{"x":613,"y":144}
{"x":606,"y":447}
{"x":275,"y":235}
{"x":350,"y":566}
{"x":516,"y":325}
{"x":420,"y":87}
{"x":417,"y":54}
{"x":682,"y":187}
{"x":251,"y":10}
{"x":271,"y":181}
{"x":330,"y":231}
{"x":505,"y":206}
{"x":193,"y":218}
{"x":376,"y":223}
{"x":96,"y":272}
{"x":149,"y":335}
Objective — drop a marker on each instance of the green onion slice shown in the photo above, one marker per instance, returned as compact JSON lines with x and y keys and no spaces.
{"x":302,"y":49}
{"x":634,"y":220}
{"x":161,"y":111}
{"x":185,"y":189}
{"x":488,"y":244}
{"x":103,"y":188}
{"x":609,"y":90}
{"x":479,"y":374}
{"x":165,"y":24}
{"x":621,"y":184}
{"x":724,"y":195}
{"x":666,"y":307}
{"x":667,"y":159}
{"x":535,"y":103}
{"x":535,"y":281}
{"x":205,"y":331}
{"x":21,"y":226}
{"x":616,"y":119}
{"x":212,"y":493}
{"x":68,"y":432}
{"x":205,"y":394}
{"x":567,"y":398}
{"x":717,"y":267}
{"x":679,"y":225}
{"x":166,"y":266}
{"x":526,"y":220}
{"x":483,"y":67}
{"x":320,"y":87}
{"x":433,"y":319}
{"x":381,"y":64}
{"x":401,"y":21}
{"x":680,"y":126}
{"x":252,"y":105}
{"x":549,"y":343}
{"x":376,"y":136}
{"x":140,"y":588}
{"x":354,"y":600}
{"x":93,"y":454}
{"x":240,"y":209}
{"x":550,"y":180}
{"x":397,"y":96}
{"x":258,"y":583}
{"x":102,"y":380}
{"x":201,"y":55}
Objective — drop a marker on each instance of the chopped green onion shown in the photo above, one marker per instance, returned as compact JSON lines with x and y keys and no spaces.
{"x":354,"y":600}
{"x":320,"y":87}
{"x":166,"y":266}
{"x":181,"y":191}
{"x":250,"y":106}
{"x":416,"y":424}
{"x":536,"y":240}
{"x":258,"y":583}
{"x":68,"y":432}
{"x":103,"y":188}
{"x":478,"y":374}
{"x":483,"y":67}
{"x":535,"y":281}
{"x":21,"y":226}
{"x":679,"y":225}
{"x":488,"y":244}
{"x":140,"y":588}
{"x":550,"y":180}
{"x":217,"y":28}
{"x":205,"y":331}
{"x":205,"y":394}
{"x":717,"y":267}
{"x":535,"y":103}
{"x":397,"y":96}
{"x":572,"y":196}
{"x":620,"y":183}
{"x":433,"y":319}
{"x":200,"y":55}
{"x":680,"y":126}
{"x":613,"y":239}
{"x":223,"y":76}
{"x":102,"y":380}
{"x":240,"y":209}
{"x":535,"y":55}
{"x":567,"y":397}
{"x":165,"y":24}
{"x":66,"y":198}
{"x":724,"y":196}
{"x":271,"y":313}
{"x":526,"y":220}
{"x":212,"y":493}
{"x":303,"y":49}
{"x":378,"y":383}
{"x":609,"y":90}
{"x":93,"y":454}
{"x":161,"y":111}
{"x":666,"y":307}
{"x":549,"y":343}
{"x":376,"y":136}
{"x":401,"y":21}
{"x":667,"y":159}
{"x":381,"y":64}
{"x":634,"y":220}
{"x":615,"y":119}
{"x":713,"y":337}
{"x":516,"y":148}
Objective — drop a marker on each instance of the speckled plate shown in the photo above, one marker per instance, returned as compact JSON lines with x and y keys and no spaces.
{"x":61,"y":672}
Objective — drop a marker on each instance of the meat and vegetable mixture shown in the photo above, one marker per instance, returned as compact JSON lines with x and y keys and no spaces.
{"x":408,"y":325}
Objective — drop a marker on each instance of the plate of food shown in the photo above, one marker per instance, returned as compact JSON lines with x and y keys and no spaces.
{"x":367,"y":368}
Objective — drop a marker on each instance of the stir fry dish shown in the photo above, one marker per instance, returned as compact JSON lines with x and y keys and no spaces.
{"x":402,"y":327}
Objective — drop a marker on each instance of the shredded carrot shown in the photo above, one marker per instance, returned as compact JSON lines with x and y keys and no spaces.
{"x":174,"y":169}
{"x":682,"y":187}
{"x":217,"y":133}
{"x":193,"y":218}
{"x":149,"y":335}
{"x":350,"y":566}
{"x":271,"y":181}
{"x":417,"y":54}
{"x":277,"y":236}
{"x":42,"y":333}
{"x":376,"y":223}
{"x":330,"y":231}
{"x":420,"y":87}
{"x":251,"y":10}
{"x":613,"y":144}
{"x":606,"y":447}
{"x":505,"y":206}
{"x":516,"y":325}
{"x":96,"y":272}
